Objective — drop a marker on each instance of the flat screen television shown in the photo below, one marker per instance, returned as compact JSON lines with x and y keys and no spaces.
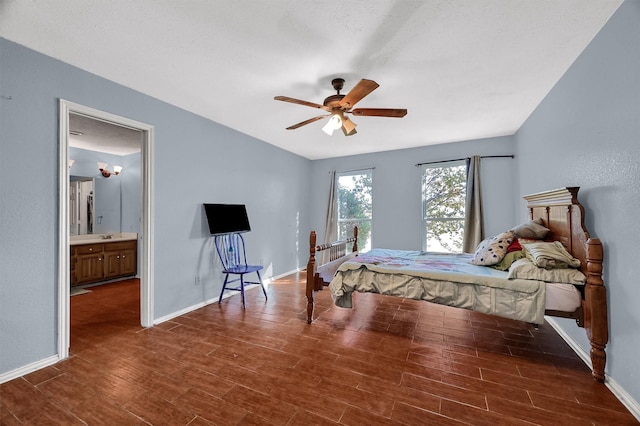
{"x":227,"y":218}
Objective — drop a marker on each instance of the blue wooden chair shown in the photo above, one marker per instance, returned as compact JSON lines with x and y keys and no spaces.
{"x":232,"y":254}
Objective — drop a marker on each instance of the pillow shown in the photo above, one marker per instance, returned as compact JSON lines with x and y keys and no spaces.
{"x":550,"y":255}
{"x":532,"y":229}
{"x":492,"y":250}
{"x":514,"y":246}
{"x":525,"y":269}
{"x":522,"y":241}
{"x":508,"y":259}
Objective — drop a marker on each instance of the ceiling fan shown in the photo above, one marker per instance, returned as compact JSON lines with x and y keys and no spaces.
{"x":338,"y":105}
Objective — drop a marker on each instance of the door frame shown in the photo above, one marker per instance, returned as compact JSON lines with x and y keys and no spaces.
{"x":146,"y":249}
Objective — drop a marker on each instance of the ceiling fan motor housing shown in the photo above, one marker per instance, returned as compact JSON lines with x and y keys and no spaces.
{"x":333,"y":101}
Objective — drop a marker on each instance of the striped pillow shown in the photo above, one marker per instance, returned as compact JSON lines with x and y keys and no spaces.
{"x":550,"y":255}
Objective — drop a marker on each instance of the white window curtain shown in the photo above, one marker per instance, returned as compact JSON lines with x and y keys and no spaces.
{"x":330,"y":227}
{"x":473,"y":228}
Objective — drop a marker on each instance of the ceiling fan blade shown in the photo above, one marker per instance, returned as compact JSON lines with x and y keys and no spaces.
{"x":380,"y":112}
{"x":300,"y":102}
{"x":304,"y":123}
{"x":348,"y":127}
{"x":362,"y":89}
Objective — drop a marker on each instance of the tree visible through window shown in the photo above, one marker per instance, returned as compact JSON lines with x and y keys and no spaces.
{"x":354,"y":206}
{"x":443,"y":201}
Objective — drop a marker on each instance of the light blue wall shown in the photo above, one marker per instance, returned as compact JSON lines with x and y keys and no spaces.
{"x":587,"y":133}
{"x":196,"y":161}
{"x":396,"y":222}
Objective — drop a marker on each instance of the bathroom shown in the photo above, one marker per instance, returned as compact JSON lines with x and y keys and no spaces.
{"x":104,"y":199}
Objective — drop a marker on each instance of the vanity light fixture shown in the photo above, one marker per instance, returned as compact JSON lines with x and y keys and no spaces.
{"x":106,"y":173}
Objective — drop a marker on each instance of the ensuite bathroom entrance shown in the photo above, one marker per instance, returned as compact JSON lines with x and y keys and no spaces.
{"x":105,"y":211}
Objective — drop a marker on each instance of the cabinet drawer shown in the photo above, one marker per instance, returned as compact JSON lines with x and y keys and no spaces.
{"x":88,"y":248}
{"x":121,"y":245}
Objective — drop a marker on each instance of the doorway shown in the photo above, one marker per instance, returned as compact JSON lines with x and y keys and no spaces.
{"x":145,"y":249}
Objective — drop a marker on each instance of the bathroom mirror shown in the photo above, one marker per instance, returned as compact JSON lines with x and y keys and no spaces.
{"x":94,"y":205}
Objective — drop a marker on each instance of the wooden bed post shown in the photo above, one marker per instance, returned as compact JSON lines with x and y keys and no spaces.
{"x":355,"y":243}
{"x":336,"y":250}
{"x":311,"y":269}
{"x":596,"y":322}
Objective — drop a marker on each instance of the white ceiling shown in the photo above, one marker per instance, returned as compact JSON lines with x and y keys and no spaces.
{"x":97,"y":135}
{"x":464,"y":69}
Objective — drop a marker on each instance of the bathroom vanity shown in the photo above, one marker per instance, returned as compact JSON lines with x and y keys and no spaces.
{"x":102,"y":257}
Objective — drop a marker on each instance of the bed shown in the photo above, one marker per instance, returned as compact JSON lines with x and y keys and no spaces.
{"x":456,"y":282}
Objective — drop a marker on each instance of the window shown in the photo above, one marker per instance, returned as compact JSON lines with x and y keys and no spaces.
{"x":354,"y":206}
{"x":443,"y":201}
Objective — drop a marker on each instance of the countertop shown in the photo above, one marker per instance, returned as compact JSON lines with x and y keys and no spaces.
{"x":75,"y":240}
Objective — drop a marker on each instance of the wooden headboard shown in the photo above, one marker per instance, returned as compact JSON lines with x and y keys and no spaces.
{"x":564,"y":216}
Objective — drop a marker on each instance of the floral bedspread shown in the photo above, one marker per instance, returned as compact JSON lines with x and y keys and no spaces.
{"x":440,"y":278}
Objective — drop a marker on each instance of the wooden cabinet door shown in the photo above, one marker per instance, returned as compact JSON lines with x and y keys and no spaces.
{"x":120,"y":259}
{"x":89,"y":268}
{"x":111,"y":264}
{"x":128,"y":262}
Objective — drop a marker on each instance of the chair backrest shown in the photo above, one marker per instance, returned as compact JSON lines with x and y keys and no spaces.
{"x":231,"y":251}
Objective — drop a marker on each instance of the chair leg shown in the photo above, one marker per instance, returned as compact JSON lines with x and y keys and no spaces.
{"x":224,"y":285}
{"x":242,"y":289}
{"x":261,"y":285}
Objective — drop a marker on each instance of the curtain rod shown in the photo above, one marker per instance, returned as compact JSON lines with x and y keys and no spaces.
{"x":460,"y":159}
{"x":356,"y":170}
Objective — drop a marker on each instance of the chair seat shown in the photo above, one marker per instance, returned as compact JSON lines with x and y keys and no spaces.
{"x":243,"y":269}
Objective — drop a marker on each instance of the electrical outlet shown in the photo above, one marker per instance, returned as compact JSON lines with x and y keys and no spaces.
{"x":197,"y":279}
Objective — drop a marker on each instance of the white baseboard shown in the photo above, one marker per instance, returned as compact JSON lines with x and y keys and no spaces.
{"x":293,"y":271}
{"x":619,"y":392}
{"x":199,"y":305}
{"x":29,"y":368}
{"x":571,"y":342}
{"x":622,"y":395}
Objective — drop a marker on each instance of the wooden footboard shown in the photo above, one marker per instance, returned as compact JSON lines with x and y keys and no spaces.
{"x":336,"y":250}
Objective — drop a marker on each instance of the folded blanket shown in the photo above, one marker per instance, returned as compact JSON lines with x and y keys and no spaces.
{"x":550,"y":255}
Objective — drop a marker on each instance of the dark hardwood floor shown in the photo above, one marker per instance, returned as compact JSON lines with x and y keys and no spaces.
{"x":387,"y":361}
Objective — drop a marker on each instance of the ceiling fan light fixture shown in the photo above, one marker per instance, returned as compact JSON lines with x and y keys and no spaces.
{"x":348,"y":127}
{"x":334,"y":123}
